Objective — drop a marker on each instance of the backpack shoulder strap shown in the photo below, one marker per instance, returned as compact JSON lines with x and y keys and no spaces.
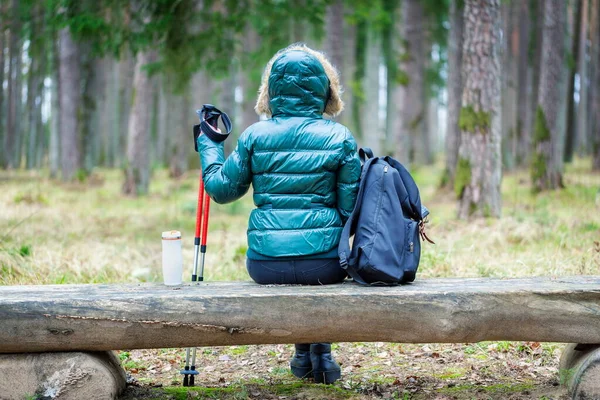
{"x":412,"y":198}
{"x":350,"y":227}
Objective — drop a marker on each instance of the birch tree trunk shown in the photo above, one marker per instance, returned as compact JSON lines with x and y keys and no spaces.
{"x":137,"y":172}
{"x":70,"y":99}
{"x":545,"y":166}
{"x":479,"y":169}
{"x":455,"y":44}
{"x":411,"y":106}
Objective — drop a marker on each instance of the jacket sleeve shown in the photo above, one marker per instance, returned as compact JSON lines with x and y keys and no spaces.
{"x":348,"y":178}
{"x":225,"y":180}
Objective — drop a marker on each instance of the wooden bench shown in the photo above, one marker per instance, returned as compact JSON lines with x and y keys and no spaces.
{"x":72,"y":318}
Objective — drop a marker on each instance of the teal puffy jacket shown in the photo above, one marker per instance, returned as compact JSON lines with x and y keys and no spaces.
{"x":304,"y":169}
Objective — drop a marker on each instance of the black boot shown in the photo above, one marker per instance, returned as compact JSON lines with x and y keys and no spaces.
{"x":300,"y":364}
{"x":325,"y":369}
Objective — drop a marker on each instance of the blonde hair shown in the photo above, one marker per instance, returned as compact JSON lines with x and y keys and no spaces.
{"x":334,"y":105}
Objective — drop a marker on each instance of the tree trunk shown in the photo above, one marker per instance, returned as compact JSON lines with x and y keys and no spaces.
{"x":370,"y":125}
{"x":479,"y":168}
{"x":34,"y":55}
{"x":390,"y":39}
{"x":48,"y":318}
{"x":179,"y":139}
{"x":538,"y":9}
{"x":14,"y":73}
{"x":596,"y":92}
{"x":358,"y":96}
{"x":523,"y":141}
{"x":137,"y":173}
{"x":226,"y":104}
{"x":411,"y":105}
{"x":455,"y":45}
{"x":546,"y":167}
{"x":582,"y":109}
{"x":2,"y":111}
{"x":571,"y":132}
{"x":334,"y":39}
{"x":125,"y":69}
{"x":510,"y":77}
{"x":349,"y":94}
{"x":249,"y":82}
{"x":162,"y":143}
{"x":70,"y":100}
{"x":55,"y":146}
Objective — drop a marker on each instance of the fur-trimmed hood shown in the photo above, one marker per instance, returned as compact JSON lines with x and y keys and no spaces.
{"x":299,"y":81}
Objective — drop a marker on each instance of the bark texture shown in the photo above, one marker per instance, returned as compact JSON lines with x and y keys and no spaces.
{"x":479,"y":168}
{"x":525,"y":77}
{"x":455,"y":44}
{"x":11,"y":144}
{"x":583,"y":65}
{"x":571,"y":131}
{"x":411,"y":92}
{"x":580,"y":370}
{"x":54,"y":145}
{"x":105,"y":317}
{"x":510,"y":74}
{"x":62,"y":375}
{"x":2,"y":113}
{"x":370,"y":124}
{"x":70,"y":99}
{"x":546,"y":164}
{"x":137,"y":172}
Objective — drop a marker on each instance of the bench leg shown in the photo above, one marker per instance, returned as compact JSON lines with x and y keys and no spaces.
{"x":580,"y":370}
{"x":64,"y":376}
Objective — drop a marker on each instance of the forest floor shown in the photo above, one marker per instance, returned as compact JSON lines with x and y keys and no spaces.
{"x":89,"y":233}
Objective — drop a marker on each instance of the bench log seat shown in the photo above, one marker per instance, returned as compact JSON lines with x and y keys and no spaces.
{"x":71,"y":318}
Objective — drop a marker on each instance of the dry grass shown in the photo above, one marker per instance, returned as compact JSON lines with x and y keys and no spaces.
{"x":55,"y":233}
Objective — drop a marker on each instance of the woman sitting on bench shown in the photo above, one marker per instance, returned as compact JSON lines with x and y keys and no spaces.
{"x":304,"y":170}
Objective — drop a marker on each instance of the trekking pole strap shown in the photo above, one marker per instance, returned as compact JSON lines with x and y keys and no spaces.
{"x":209,"y":122}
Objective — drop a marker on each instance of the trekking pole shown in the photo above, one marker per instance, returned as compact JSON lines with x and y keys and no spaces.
{"x":209,"y":118}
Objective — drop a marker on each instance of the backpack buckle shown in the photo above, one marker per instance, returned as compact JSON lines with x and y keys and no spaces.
{"x":343,"y":261}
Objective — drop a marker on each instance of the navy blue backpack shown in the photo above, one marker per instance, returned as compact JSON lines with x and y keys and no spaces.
{"x":388,"y":222}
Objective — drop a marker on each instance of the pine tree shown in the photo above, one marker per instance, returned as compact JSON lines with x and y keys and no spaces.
{"x":479,"y":168}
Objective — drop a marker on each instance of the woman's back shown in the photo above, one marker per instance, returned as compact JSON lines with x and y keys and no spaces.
{"x":304,"y":169}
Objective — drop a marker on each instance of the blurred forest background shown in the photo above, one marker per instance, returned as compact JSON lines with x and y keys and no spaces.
{"x":491,"y":103}
{"x":490,"y":85}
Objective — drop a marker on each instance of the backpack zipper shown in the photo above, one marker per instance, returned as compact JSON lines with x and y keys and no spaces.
{"x":385,"y":169}
{"x":411,"y":247}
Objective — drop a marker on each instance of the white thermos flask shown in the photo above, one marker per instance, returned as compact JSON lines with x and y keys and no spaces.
{"x":172,"y":260}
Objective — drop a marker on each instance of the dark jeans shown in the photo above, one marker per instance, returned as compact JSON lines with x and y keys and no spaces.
{"x":320,"y":271}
